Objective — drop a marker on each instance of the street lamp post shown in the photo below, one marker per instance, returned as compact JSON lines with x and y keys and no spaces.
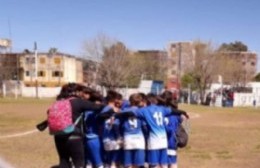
{"x":36,"y":69}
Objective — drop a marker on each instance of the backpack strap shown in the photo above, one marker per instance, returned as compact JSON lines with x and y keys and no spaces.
{"x":186,"y":125}
{"x":78,"y":119}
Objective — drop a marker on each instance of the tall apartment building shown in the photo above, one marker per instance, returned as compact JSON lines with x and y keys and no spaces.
{"x":181,"y":57}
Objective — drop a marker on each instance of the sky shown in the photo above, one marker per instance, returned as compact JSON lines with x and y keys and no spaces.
{"x":140,"y":24}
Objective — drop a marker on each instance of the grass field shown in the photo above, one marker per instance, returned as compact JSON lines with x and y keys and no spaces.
{"x":219,"y":137}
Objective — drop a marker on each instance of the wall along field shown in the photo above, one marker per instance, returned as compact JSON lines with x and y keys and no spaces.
{"x":219,"y":137}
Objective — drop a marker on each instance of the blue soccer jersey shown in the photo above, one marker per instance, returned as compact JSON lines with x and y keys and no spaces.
{"x":125,"y":104}
{"x":172,"y":122}
{"x":132,"y":131}
{"x":91,"y":126}
{"x":154,"y":116}
{"x":110,"y":135}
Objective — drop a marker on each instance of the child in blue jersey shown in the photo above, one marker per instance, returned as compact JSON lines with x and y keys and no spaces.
{"x":134,"y":142}
{"x":93,"y":150}
{"x":154,"y":116}
{"x":171,"y":122}
{"x":92,"y":141}
{"x":111,"y":138}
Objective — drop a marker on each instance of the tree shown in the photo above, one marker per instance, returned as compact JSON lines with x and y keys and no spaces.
{"x":187,"y":80}
{"x":149,"y":65}
{"x":26,"y":51}
{"x":137,"y":73}
{"x":235,"y":46}
{"x":93,"y":49}
{"x":204,"y":69}
{"x":53,"y":50}
{"x":230,"y":69}
{"x":93,"y":52}
{"x":115,"y":66}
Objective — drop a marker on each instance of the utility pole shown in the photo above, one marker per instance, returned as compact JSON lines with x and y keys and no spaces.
{"x":179,"y":67}
{"x":36,"y":69}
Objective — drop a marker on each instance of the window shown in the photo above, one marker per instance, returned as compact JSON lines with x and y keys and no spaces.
{"x":30,"y":60}
{"x":173,"y":62}
{"x":57,"y":74}
{"x":27,"y":73}
{"x":173,"y":45}
{"x":42,"y":60}
{"x":27,"y":60}
{"x":57,"y":60}
{"x":41,"y":73}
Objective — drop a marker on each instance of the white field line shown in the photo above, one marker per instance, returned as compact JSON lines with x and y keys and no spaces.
{"x":19,"y":134}
{"x":192,"y":116}
{"x":4,"y":164}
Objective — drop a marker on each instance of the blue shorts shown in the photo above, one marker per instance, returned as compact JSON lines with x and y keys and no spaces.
{"x":134,"y":157}
{"x":93,"y":152}
{"x":114,"y":156}
{"x":172,"y":159}
{"x":157,"y":157}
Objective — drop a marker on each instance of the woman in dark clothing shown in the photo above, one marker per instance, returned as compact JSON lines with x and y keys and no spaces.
{"x":71,"y":146}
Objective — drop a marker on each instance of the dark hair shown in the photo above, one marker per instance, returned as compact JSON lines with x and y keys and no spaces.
{"x":96,"y":96}
{"x":67,"y":90}
{"x":111,"y":96}
{"x":119,"y":96}
{"x":152,"y":99}
{"x":144,"y":96}
{"x":135,"y":99}
{"x":169,"y":100}
{"x":86,"y":90}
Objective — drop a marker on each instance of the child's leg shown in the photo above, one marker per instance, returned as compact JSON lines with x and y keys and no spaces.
{"x":172,"y":159}
{"x":94,"y":152}
{"x":174,"y":165}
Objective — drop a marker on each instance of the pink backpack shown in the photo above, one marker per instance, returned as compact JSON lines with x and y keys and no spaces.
{"x":60,"y":117}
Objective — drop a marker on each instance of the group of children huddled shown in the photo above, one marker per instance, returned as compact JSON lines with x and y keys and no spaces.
{"x":114,"y":132}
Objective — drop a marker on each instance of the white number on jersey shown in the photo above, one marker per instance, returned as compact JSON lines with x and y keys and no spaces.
{"x":133,"y":123}
{"x":159,"y":118}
